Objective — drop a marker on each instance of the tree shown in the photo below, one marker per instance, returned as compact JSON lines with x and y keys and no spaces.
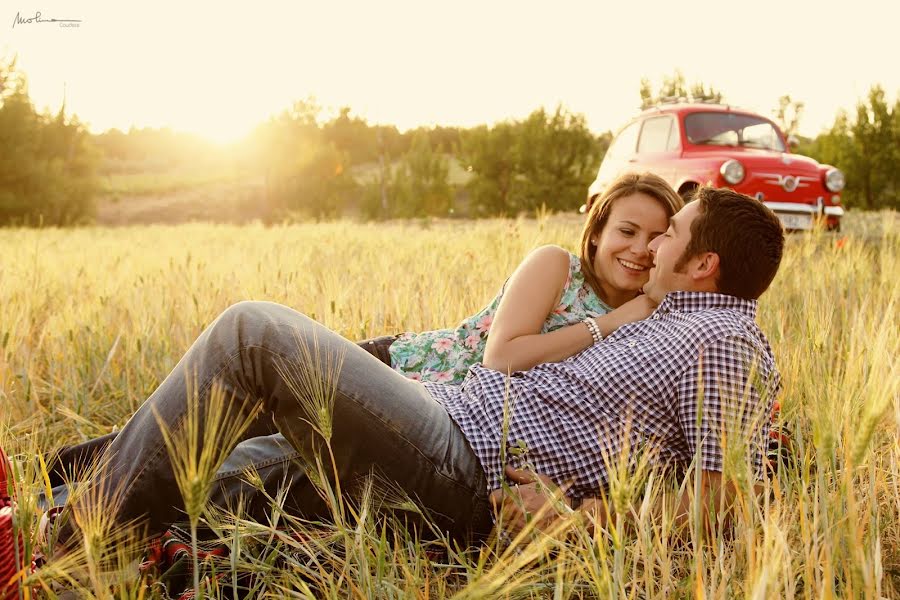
{"x":675,"y":88}
{"x":487,"y":153}
{"x":420,"y":184}
{"x":788,"y":115}
{"x":866,"y":146}
{"x":548,"y":159}
{"x":352,"y":136}
{"x":304,"y":173}
{"x":557,"y":158}
{"x":49,"y":176}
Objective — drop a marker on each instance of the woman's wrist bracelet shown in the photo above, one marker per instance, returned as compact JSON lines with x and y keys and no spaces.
{"x":594,"y":329}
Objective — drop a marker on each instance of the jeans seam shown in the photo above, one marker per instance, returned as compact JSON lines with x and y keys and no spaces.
{"x":258,"y":465}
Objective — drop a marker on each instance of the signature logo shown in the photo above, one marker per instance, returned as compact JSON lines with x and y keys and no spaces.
{"x":40,"y":18}
{"x":789,"y":183}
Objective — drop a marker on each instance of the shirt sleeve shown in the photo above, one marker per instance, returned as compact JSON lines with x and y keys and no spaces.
{"x":723,"y":402}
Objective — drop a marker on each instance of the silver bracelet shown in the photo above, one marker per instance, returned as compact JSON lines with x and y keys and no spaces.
{"x":594,"y":329}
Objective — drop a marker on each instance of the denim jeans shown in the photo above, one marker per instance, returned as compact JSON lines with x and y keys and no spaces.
{"x":383,"y":423}
{"x":264,"y":452}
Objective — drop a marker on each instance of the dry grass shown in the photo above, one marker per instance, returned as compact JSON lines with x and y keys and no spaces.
{"x":92,"y":319}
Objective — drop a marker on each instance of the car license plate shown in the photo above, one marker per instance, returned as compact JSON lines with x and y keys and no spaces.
{"x":795,"y":221}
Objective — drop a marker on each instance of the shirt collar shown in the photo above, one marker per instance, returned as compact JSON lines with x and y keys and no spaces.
{"x":696,"y":301}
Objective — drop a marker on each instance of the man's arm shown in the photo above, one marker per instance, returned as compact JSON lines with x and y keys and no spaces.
{"x":536,"y":499}
{"x":533,"y":497}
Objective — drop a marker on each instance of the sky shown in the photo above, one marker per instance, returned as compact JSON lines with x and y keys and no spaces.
{"x":219,"y":68}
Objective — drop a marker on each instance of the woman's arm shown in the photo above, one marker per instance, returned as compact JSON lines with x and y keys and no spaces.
{"x":533,"y":291}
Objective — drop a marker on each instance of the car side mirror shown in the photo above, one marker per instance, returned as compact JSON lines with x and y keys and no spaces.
{"x":793,"y":141}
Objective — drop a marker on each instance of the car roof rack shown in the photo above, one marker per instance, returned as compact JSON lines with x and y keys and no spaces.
{"x":669,"y":100}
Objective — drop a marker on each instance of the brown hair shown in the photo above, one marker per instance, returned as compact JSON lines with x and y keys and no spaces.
{"x":625,"y":185}
{"x":746,"y":235}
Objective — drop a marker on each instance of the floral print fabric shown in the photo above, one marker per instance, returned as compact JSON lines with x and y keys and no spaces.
{"x":445,"y":355}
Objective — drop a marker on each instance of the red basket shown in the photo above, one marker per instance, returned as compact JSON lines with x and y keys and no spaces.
{"x":10,"y":556}
{"x":4,"y":478}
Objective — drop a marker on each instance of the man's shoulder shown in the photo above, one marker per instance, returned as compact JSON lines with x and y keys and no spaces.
{"x":724,"y":326}
{"x":731,"y":346}
{"x":719,"y":327}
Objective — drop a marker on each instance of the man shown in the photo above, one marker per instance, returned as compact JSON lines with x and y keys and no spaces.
{"x":671,"y":384}
{"x":719,"y":254}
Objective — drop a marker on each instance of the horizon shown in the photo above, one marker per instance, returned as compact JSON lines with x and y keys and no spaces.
{"x":219,"y":71}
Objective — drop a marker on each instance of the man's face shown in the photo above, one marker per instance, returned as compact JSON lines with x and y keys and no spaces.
{"x":666,"y":250}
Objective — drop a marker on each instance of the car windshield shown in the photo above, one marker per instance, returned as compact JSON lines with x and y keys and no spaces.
{"x":732,"y":129}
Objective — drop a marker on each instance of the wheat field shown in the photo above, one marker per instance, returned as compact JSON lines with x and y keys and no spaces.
{"x":91,"y":319}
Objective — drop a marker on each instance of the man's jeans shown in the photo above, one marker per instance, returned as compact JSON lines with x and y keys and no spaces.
{"x":383,"y":423}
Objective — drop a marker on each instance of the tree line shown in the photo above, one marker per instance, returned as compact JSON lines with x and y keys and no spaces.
{"x":865,"y":144}
{"x":47,"y":162}
{"x":317,"y":167}
{"x":326,"y":169}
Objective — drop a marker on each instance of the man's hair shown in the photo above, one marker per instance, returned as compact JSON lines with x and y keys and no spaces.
{"x":746,"y":235}
{"x":598,"y":215}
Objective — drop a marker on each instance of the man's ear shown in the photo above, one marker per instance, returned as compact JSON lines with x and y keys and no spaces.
{"x":706,"y":268}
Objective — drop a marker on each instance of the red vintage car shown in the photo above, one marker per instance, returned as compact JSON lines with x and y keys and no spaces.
{"x":695,"y":144}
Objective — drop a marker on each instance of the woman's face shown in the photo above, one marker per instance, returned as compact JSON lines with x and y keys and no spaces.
{"x":622,"y":261}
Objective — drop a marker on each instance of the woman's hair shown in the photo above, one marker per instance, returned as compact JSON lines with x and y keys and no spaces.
{"x":626,"y":185}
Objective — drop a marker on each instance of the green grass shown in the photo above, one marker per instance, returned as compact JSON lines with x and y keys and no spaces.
{"x":92,"y":319}
{"x":167,"y":181}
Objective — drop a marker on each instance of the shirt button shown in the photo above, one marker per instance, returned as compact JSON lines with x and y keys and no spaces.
{"x":655,"y":317}
{"x":632,"y":344}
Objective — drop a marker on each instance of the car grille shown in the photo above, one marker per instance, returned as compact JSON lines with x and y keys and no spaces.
{"x":788,"y":183}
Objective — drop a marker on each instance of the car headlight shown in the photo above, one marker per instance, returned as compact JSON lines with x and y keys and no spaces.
{"x":732,"y":171}
{"x":835,"y":180}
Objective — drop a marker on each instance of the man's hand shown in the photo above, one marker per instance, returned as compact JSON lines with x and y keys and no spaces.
{"x":533,"y":498}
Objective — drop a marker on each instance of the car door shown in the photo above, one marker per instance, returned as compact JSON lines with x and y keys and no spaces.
{"x":658,"y":147}
{"x":620,"y":155}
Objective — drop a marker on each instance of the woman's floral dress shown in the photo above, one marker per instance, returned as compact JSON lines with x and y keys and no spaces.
{"x":445,"y":355}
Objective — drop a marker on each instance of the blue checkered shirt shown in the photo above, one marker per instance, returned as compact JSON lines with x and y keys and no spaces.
{"x":697,"y":375}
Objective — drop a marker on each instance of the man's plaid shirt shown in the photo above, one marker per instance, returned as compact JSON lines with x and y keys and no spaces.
{"x":696,"y":376}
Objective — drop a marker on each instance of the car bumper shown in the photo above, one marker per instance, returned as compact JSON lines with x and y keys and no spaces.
{"x":801,"y":216}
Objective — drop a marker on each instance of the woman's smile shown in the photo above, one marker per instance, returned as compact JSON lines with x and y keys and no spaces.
{"x":629,"y":266}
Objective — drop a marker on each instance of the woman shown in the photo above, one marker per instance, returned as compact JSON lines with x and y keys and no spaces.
{"x":553,"y":306}
{"x":546,"y":309}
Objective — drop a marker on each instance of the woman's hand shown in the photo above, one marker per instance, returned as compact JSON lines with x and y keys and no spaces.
{"x":636,"y":309}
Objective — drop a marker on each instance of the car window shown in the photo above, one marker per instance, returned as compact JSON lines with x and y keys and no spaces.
{"x":674,"y":138}
{"x":655,"y":135}
{"x":732,"y":129}
{"x":625,"y":142}
{"x":761,"y":136}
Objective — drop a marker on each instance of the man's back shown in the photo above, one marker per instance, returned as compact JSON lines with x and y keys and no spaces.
{"x":699,"y":365}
